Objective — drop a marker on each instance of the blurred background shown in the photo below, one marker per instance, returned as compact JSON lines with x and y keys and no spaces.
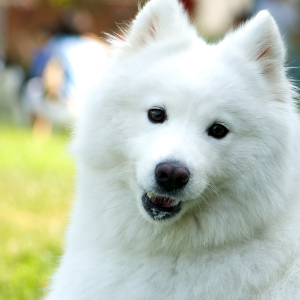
{"x":52,"y":52}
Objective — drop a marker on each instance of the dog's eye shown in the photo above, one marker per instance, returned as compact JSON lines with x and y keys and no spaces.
{"x":157,"y":115}
{"x":218,"y":131}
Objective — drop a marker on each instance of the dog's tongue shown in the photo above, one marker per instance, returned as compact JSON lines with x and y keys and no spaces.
{"x":163,"y":202}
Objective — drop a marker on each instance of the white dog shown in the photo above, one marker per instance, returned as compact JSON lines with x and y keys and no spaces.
{"x":188,"y":169}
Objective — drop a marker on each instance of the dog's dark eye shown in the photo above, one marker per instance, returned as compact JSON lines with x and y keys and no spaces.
{"x":218,"y":131}
{"x":157,"y":115}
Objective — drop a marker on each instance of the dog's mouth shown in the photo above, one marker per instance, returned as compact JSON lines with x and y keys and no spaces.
{"x":159,"y":207}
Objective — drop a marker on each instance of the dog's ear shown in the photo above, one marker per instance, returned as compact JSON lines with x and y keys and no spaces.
{"x":260,"y":40}
{"x":157,"y":20}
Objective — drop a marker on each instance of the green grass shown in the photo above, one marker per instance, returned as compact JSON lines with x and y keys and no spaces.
{"x":36,"y":188}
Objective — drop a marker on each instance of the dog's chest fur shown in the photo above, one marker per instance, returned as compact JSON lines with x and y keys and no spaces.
{"x":243,"y":274}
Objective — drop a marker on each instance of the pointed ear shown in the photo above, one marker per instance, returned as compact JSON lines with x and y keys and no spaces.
{"x":260,"y":41}
{"x":158,"y":20}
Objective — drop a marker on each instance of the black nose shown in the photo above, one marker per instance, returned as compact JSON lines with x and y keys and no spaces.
{"x":171,"y":175}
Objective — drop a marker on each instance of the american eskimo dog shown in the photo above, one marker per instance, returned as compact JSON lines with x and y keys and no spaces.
{"x":188,"y":169}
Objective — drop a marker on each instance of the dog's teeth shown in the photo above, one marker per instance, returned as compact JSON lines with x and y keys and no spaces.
{"x":149,"y":194}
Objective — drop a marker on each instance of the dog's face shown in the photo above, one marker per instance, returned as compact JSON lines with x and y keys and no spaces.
{"x":199,"y":129}
{"x":192,"y":129}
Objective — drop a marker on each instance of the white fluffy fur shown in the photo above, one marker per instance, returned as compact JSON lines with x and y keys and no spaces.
{"x":237,"y":236}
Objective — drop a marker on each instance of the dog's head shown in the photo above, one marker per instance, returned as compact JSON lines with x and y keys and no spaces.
{"x":197,"y":134}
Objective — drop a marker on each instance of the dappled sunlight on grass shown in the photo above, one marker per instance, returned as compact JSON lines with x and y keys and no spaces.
{"x":36,"y":188}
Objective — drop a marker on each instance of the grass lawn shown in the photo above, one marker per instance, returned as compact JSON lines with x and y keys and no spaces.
{"x":36,"y":189}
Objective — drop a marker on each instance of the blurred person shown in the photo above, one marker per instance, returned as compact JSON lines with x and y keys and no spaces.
{"x":214,"y":18}
{"x":63,"y":71}
{"x":11,"y":79}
